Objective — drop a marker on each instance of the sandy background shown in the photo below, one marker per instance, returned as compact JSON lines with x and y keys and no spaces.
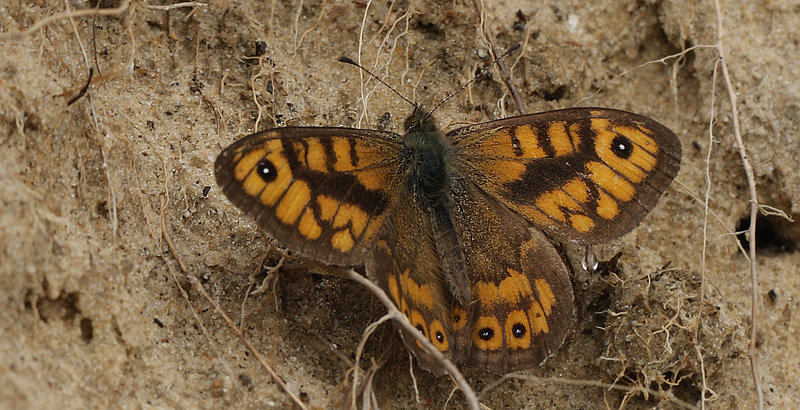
{"x":92,"y":317}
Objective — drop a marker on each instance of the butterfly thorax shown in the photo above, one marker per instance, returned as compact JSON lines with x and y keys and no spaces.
{"x":426,"y":153}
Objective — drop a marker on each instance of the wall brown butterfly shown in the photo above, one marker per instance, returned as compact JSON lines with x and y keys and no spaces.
{"x":457,"y":227}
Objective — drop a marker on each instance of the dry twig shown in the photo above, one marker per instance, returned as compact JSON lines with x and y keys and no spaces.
{"x":754,"y":206}
{"x":402,"y":320}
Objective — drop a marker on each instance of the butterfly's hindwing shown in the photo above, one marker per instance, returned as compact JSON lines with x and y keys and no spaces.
{"x":522,"y":297}
{"x":322,"y":192}
{"x":587,"y":175}
{"x":406,"y":265}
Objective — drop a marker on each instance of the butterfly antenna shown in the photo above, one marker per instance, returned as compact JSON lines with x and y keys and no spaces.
{"x":348,"y":60}
{"x":483,"y":71}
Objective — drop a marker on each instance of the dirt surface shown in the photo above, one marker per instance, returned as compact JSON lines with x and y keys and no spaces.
{"x":94,"y":317}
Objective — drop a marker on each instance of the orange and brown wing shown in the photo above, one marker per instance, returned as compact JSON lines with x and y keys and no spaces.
{"x":407,"y":267}
{"x":522,"y":302}
{"x":586,"y":175}
{"x":321,"y":192}
{"x":522,"y":296}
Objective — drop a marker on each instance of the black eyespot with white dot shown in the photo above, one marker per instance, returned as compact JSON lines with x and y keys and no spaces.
{"x":486,"y":334}
{"x":440,"y":337}
{"x":266,"y":170}
{"x":421,"y":329}
{"x":622,"y":147}
{"x":518,"y":330}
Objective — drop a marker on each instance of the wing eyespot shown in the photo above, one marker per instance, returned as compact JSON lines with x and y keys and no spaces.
{"x":622,"y":147}
{"x":486,"y":334}
{"x":439,"y":338}
{"x":458,"y":317}
{"x":518,"y":330}
{"x":266,"y":170}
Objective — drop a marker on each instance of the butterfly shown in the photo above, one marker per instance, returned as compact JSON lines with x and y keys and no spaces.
{"x":459,"y":228}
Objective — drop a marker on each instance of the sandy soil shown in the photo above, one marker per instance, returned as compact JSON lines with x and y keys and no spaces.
{"x":94,"y":316}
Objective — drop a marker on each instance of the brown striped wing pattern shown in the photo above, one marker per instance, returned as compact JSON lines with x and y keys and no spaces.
{"x":321,"y":192}
{"x":586,"y":175}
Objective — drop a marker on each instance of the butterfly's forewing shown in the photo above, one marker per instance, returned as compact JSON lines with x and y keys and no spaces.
{"x":321,"y":192}
{"x":405,"y":264}
{"x":522,"y":296}
{"x":586,"y":175}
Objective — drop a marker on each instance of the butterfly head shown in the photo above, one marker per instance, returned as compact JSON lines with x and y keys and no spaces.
{"x":420,"y":122}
